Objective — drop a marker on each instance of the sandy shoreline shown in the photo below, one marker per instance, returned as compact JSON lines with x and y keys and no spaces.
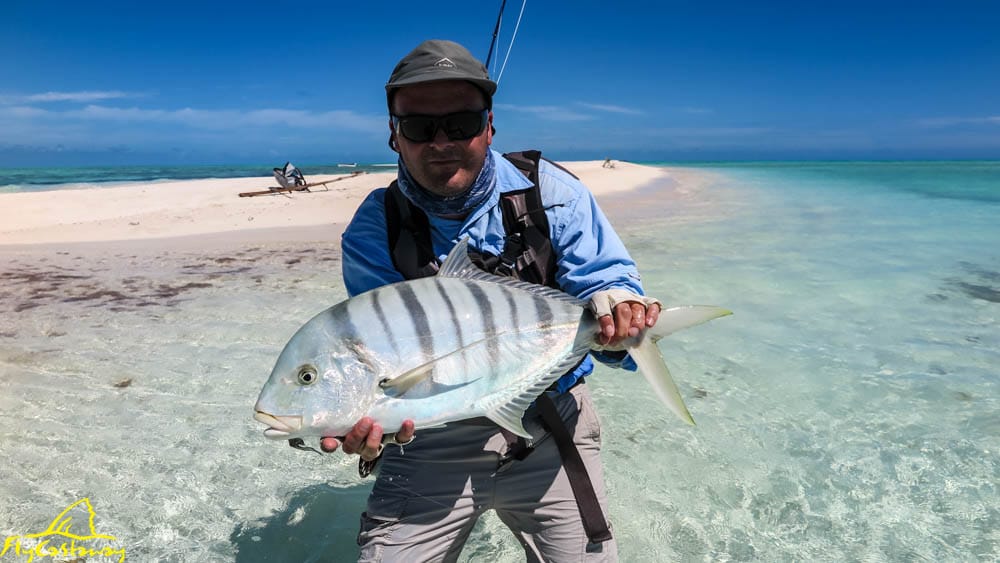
{"x":206,"y":213}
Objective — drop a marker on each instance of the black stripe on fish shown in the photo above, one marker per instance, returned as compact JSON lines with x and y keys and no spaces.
{"x":512,"y":305}
{"x":545,"y":318}
{"x":544,"y":312}
{"x":418,"y":315}
{"x":386,"y":326}
{"x":489,"y":325}
{"x":352,"y":341}
{"x":451,"y":310}
{"x":360,"y":352}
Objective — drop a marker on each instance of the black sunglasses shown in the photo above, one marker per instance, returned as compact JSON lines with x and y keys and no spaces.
{"x":458,"y":126}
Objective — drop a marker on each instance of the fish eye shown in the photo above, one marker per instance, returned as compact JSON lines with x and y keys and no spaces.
{"x":307,"y":375}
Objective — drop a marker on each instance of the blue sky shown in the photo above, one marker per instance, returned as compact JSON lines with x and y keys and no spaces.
{"x":254,"y":83}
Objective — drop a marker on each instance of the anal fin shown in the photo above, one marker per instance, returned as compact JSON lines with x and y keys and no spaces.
{"x":509,"y":420}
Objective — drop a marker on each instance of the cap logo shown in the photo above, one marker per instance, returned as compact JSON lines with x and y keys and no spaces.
{"x":445,"y":62}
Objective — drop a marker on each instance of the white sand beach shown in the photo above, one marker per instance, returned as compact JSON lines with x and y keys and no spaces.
{"x":205,"y":212}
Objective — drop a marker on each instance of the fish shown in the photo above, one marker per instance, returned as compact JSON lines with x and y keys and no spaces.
{"x":459,"y":345}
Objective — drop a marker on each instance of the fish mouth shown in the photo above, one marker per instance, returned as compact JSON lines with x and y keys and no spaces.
{"x":279,"y":427}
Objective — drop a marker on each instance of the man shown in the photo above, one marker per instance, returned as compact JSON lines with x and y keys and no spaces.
{"x":428,"y":495}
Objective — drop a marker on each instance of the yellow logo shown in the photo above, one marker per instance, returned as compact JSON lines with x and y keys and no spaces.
{"x":60,"y":539}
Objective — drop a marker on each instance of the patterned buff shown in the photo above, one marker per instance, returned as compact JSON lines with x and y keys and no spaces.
{"x":454,"y":205}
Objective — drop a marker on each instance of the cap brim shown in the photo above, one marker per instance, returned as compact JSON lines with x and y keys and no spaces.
{"x":483,"y":84}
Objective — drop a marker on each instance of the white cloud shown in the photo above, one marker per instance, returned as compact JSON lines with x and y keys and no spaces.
{"x":610,"y":108}
{"x":81,"y":97}
{"x":712,"y":132}
{"x":86,"y":96}
{"x":934,"y":122}
{"x":206,"y":119}
{"x":101,"y":127}
{"x":21,"y":112}
{"x":560,"y":113}
{"x":549,"y":113}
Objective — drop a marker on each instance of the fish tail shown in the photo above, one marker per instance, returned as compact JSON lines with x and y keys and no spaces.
{"x":676,"y":318}
{"x":648,"y":358}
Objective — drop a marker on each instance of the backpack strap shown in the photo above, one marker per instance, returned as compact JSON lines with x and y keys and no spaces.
{"x":528,"y":248}
{"x":594,"y":523}
{"x":527,"y":253}
{"x":409,"y":234}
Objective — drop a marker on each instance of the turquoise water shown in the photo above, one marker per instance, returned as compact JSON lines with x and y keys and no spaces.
{"x":850,"y":407}
{"x":847,"y":411}
{"x":39,"y":179}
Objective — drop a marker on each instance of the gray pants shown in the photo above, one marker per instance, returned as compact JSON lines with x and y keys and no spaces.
{"x":428,"y":496}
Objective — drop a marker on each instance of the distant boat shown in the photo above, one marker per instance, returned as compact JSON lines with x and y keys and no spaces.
{"x":347,"y":164}
{"x":393,"y":165}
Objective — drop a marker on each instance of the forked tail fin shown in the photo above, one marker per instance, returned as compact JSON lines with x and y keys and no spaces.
{"x":647,"y":355}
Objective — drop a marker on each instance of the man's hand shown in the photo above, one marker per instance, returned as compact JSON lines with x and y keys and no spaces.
{"x":365,"y":438}
{"x":626,"y":320}
{"x":622,"y":314}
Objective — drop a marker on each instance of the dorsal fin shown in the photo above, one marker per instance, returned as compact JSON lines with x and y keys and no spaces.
{"x":458,"y":265}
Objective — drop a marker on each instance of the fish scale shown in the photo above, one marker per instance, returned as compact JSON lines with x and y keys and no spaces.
{"x":415,"y":337}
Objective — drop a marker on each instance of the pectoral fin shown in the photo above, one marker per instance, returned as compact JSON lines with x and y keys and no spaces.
{"x":403,"y":382}
{"x":418,"y":383}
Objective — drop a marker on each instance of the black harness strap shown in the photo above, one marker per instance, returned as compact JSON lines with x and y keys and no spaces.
{"x":528,"y":249}
{"x":409,"y":234}
{"x":576,"y":472}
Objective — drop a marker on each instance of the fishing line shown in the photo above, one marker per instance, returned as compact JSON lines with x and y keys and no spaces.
{"x":416,"y":494}
{"x":496,"y":32}
{"x":512,"y":37}
{"x":497,"y":53}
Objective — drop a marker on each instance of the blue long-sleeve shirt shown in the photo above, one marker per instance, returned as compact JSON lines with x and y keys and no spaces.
{"x":589,"y":255}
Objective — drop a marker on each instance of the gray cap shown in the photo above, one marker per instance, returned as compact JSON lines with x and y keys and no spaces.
{"x":438,"y":59}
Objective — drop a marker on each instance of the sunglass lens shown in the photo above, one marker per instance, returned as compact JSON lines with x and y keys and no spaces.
{"x":418,"y":129}
{"x":460,"y":126}
{"x":457,"y":126}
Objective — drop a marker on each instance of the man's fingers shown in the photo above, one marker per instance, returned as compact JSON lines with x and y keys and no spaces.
{"x":652,"y":314}
{"x":623,"y":320}
{"x":328,"y":445}
{"x":374,"y":439}
{"x":357,"y":435}
{"x":405,"y":433}
{"x":638,"y":318}
{"x":607,"y":329}
{"x":365,"y":438}
{"x":629,"y":318}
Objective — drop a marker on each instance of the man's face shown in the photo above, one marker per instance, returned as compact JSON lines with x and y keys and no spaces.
{"x":442,"y":166}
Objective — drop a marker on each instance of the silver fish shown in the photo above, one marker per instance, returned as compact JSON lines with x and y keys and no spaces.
{"x":462,"y":344}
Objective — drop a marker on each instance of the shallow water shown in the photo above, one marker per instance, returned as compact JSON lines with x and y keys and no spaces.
{"x":847,"y":411}
{"x":87,"y":177}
